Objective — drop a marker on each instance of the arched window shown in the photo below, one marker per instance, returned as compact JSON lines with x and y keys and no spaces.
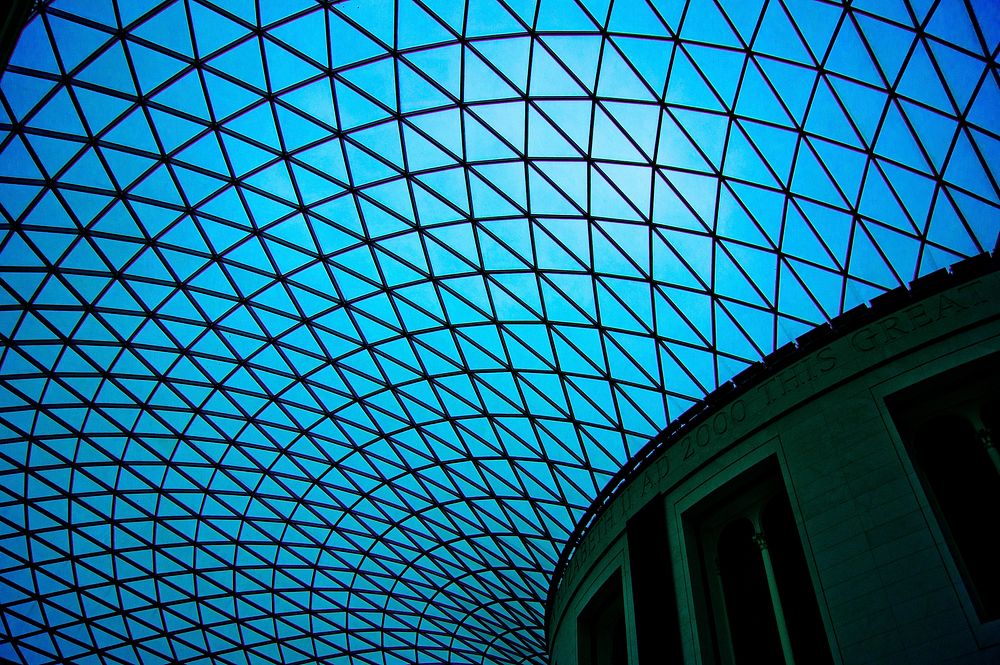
{"x":759,"y":591}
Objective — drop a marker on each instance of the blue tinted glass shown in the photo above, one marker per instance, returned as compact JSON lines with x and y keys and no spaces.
{"x":323,"y":323}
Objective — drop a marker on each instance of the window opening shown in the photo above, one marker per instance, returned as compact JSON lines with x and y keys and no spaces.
{"x":948,"y":425}
{"x":654,"y":599}
{"x":759,"y":592}
{"x":601,"y":626}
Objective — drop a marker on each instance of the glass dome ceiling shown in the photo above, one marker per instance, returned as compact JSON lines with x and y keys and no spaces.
{"x":322,"y":323}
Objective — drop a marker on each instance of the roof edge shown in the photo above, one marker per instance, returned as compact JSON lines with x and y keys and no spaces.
{"x":931,"y":284}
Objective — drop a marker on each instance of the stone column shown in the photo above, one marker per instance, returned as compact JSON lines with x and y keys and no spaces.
{"x":772,"y":587}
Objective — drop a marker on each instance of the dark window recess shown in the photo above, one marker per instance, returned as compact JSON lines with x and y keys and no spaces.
{"x":791,"y":572}
{"x":756,"y":585}
{"x":657,"y":628}
{"x":749,"y":611}
{"x":949,"y":427}
{"x":601,"y":627}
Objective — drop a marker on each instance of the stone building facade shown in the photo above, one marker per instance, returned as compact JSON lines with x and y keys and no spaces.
{"x":833,"y":505}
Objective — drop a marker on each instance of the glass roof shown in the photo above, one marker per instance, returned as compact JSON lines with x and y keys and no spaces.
{"x":323,"y":322}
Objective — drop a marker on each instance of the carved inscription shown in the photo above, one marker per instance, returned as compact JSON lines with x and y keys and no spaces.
{"x":652,"y":477}
{"x":799,"y":376}
{"x":729,"y":422}
{"x":920,"y":315}
{"x":872,"y":337}
{"x":716,"y":426}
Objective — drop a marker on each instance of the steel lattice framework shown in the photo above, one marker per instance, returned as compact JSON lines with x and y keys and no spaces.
{"x":323,"y":323}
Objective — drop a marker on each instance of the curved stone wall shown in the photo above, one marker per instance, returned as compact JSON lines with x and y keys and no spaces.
{"x":887,"y":579}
